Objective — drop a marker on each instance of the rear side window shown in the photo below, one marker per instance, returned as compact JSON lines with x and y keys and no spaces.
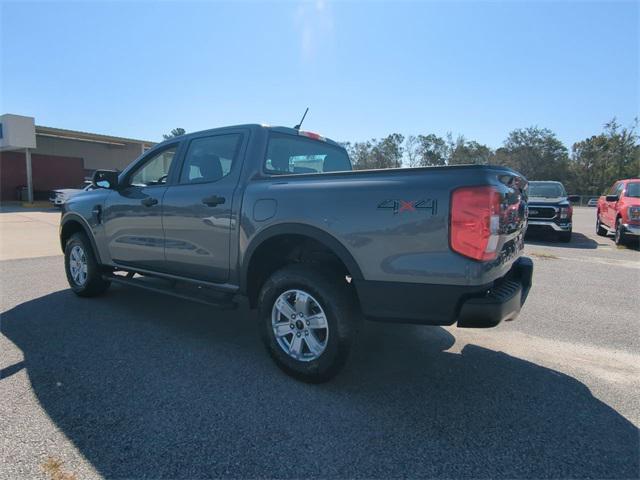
{"x":209,"y":159}
{"x":292,"y":154}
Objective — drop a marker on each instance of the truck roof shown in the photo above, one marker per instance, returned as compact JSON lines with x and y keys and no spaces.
{"x":256,"y":126}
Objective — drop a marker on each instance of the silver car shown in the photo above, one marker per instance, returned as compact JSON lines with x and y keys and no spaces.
{"x":61,"y":196}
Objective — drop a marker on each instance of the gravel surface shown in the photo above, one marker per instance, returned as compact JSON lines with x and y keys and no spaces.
{"x":137,"y":385}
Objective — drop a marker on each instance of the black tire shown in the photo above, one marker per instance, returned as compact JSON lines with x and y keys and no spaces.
{"x":565,"y":237}
{"x":600,"y":230}
{"x":93,"y":284}
{"x":334,"y":296}
{"x":620,"y":238}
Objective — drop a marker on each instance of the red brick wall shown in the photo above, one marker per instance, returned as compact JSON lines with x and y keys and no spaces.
{"x":49,"y":172}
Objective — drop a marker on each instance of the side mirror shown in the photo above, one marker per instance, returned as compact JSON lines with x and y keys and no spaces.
{"x":612,"y":198}
{"x":106,"y":179}
{"x":574,"y":198}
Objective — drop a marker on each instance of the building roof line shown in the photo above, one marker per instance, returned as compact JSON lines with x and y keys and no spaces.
{"x":88,"y":135}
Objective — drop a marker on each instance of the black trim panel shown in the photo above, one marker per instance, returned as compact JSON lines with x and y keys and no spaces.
{"x":74,"y":217}
{"x":400,"y":302}
{"x":431,"y":304}
{"x":298,"y":229}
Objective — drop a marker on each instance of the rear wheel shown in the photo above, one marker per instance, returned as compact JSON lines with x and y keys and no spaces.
{"x":83,"y":272}
{"x":600,"y":230}
{"x":308,"y":321}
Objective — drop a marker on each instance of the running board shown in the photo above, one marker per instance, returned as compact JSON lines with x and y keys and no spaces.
{"x":181,"y":290}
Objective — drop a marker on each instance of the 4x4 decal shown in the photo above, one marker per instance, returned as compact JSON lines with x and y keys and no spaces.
{"x":399,"y":206}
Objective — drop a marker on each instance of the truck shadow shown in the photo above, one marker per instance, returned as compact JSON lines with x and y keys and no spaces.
{"x":148,"y":386}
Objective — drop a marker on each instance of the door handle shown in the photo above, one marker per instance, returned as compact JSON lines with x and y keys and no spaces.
{"x":149,"y":201}
{"x":213,"y":200}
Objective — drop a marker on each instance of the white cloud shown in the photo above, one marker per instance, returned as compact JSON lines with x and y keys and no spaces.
{"x":314,"y":22}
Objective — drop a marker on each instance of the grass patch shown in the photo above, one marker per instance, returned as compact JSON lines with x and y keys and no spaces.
{"x":53,"y":467}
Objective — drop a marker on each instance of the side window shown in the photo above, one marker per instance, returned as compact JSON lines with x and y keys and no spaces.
{"x":155,"y":170}
{"x":619,"y":189}
{"x":292,"y":154}
{"x":209,"y":158}
{"x":613,"y":189}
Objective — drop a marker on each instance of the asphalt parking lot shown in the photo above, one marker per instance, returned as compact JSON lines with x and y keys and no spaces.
{"x":136,"y":385}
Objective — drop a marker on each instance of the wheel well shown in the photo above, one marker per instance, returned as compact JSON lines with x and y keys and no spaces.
{"x":69,"y":228}
{"x":281,"y":250}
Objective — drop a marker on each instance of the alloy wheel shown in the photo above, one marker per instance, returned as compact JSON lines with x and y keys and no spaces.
{"x":78,"y":265}
{"x":300,"y":325}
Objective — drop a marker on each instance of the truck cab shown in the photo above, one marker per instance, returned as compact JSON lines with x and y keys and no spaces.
{"x":619,"y":211}
{"x":550,"y":209}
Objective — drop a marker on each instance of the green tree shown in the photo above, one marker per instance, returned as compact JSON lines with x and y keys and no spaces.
{"x":600,"y":160}
{"x":536,"y":153}
{"x":384,"y":153}
{"x":432,"y":150}
{"x":463,"y":152}
{"x":411,"y":151}
{"x":176,"y":132}
{"x":360,"y":154}
{"x":387,"y":153}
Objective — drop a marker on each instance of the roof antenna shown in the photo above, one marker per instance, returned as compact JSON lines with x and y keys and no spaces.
{"x":297,"y":127}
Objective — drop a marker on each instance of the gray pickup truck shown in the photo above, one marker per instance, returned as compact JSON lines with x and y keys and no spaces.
{"x":276,"y":215}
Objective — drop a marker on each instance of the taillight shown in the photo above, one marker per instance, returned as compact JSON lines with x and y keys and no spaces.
{"x":312,"y":135}
{"x":475,"y":222}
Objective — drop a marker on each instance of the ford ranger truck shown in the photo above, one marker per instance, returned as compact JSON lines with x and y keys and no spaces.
{"x":619,"y":212}
{"x":550,"y":209}
{"x":277,"y":215}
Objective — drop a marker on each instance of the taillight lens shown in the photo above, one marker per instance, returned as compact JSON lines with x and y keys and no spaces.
{"x":475,"y":222}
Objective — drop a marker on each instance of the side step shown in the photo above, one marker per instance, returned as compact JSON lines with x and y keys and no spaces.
{"x":184,"y":290}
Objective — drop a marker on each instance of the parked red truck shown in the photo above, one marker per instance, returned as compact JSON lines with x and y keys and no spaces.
{"x":619,"y":211}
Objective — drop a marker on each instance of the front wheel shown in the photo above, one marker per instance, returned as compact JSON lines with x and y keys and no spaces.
{"x":308,"y":320}
{"x":83,"y":272}
{"x":620,"y":237}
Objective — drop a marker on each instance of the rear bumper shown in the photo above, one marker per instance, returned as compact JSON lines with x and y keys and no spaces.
{"x":428,"y":304}
{"x":502,"y":302}
{"x":565,"y":227}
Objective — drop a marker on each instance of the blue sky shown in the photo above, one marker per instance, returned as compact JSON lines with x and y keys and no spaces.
{"x":365,"y":69}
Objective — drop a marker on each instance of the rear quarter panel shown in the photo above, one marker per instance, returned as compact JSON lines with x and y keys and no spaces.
{"x":394,"y":223}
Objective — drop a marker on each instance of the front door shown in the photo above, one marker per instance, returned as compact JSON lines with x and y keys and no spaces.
{"x":198,"y":210}
{"x":133,"y":213}
{"x":610,"y":207}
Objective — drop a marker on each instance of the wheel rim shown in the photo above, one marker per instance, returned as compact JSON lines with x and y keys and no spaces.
{"x":300,"y":325}
{"x":618,"y":232}
{"x":78,"y":265}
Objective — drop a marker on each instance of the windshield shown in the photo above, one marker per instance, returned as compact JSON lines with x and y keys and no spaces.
{"x":546,"y":189}
{"x":633,"y":190}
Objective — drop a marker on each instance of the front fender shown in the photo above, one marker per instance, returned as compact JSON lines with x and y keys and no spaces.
{"x":70,"y":222}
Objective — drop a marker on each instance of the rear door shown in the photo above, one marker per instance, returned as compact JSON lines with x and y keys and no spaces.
{"x":198,"y":211}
